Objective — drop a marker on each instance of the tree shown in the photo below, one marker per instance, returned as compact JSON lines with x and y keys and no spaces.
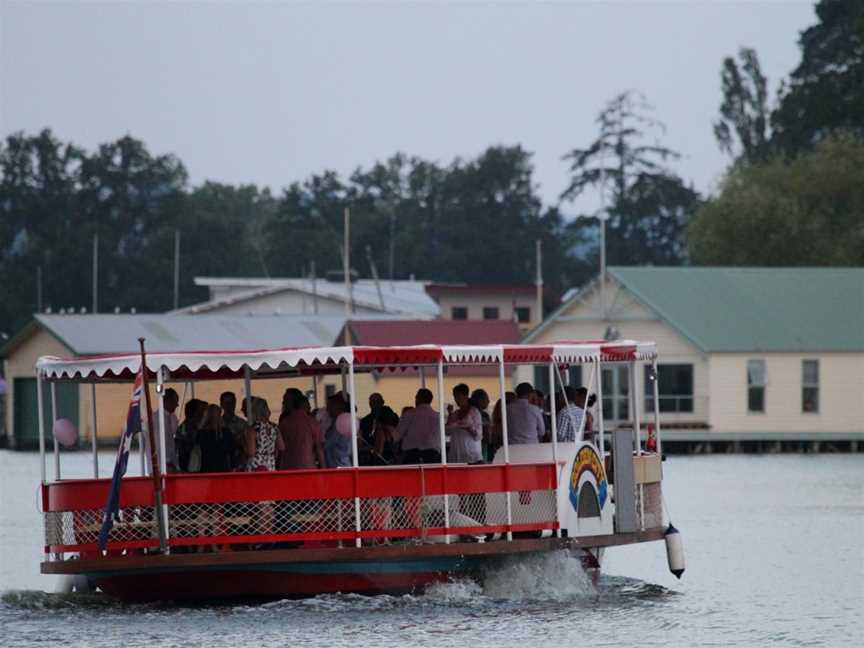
{"x":447,"y":223}
{"x":469,"y":220}
{"x":222,"y":234}
{"x":807,"y":212}
{"x":742,"y":131}
{"x":649,"y":204}
{"x":130,"y":197}
{"x":55,"y":196}
{"x":825,"y":93}
{"x":39,"y":224}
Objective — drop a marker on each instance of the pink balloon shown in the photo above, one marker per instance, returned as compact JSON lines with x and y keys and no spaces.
{"x":343,"y":424}
{"x":65,"y":432}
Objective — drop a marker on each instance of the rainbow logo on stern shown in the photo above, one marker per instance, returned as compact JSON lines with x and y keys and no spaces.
{"x":587,"y":467}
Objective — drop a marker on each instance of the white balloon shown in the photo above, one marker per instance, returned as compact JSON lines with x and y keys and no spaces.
{"x":65,"y":432}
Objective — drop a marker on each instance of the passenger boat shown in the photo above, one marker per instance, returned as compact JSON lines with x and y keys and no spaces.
{"x":382,"y":529}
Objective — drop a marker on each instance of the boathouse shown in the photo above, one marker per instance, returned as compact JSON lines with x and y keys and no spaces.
{"x":72,"y":336}
{"x":748,"y":355}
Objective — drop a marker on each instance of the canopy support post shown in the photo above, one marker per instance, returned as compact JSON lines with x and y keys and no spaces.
{"x":443,"y":434}
{"x":423,"y":385}
{"x":354,"y":457}
{"x":656,"y":406}
{"x":599,"y":364}
{"x":554,"y":421}
{"x":315,"y":391}
{"x":160,"y":394}
{"x":40,"y":405}
{"x":163,"y":456}
{"x":93,"y":432}
{"x":634,"y":399}
{"x":503,"y":388}
{"x":247,"y":393}
{"x":142,"y":451}
{"x":637,"y":436}
{"x":580,"y":434}
{"x":54,"y":422}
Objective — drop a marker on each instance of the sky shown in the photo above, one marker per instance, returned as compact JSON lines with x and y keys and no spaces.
{"x":269,"y":93}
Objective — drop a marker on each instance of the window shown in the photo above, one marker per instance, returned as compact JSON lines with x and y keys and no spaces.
{"x":459,"y":313}
{"x":575,"y":373}
{"x":523,"y":314}
{"x":490,"y":312}
{"x":810,"y":386}
{"x":616,"y":392}
{"x":756,"y":381}
{"x":541,"y":378}
{"x":675,"y":384}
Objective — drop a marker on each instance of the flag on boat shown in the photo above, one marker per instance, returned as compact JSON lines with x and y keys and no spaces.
{"x":133,"y":426}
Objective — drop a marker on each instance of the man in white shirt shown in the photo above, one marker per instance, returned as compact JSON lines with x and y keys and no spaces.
{"x":524,"y":420}
{"x":170,"y":401}
{"x":466,"y":429}
{"x":418,"y":429}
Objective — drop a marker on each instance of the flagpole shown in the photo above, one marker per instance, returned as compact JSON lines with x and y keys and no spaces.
{"x":154,"y":458}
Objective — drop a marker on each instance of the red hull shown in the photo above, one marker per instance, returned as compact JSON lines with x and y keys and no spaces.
{"x":259,"y":584}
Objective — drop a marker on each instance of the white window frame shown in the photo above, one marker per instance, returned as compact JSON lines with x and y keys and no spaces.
{"x":810,"y":385}
{"x":763,"y":385}
{"x":497,"y":310}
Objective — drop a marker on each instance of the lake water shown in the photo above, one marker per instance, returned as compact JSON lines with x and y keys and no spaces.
{"x":775,"y":557}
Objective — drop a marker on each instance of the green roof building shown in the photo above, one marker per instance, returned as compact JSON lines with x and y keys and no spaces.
{"x":762,"y":353}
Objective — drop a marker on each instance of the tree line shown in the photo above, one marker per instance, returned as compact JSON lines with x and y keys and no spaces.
{"x":472,"y":220}
{"x":793,"y":194}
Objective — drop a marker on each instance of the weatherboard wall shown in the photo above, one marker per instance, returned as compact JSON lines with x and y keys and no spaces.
{"x":841,"y":394}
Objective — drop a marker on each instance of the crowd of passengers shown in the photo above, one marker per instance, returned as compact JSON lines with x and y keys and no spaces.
{"x":214,"y":438}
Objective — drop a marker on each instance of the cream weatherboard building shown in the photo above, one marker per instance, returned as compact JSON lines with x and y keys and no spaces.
{"x":745,"y":353}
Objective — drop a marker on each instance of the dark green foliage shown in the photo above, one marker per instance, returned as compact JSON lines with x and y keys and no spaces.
{"x":473,"y":220}
{"x":823,"y":96}
{"x":809,"y":211}
{"x":648,"y":204}
{"x":825,"y":93}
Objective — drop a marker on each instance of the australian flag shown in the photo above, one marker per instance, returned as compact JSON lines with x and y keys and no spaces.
{"x":133,"y":426}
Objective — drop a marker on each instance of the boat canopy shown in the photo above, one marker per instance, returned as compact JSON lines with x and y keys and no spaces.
{"x":297,"y":361}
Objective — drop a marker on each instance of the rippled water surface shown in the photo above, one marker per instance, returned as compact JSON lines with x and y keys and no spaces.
{"x":775,"y":556}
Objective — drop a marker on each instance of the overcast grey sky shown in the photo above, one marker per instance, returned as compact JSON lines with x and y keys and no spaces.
{"x":271,"y":92}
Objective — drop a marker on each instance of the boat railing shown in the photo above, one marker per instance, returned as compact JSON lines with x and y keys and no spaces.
{"x":308,"y":507}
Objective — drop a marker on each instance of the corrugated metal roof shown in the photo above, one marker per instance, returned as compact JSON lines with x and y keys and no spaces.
{"x":755,"y":309}
{"x":97,"y":334}
{"x":411,"y":332}
{"x":403,"y":297}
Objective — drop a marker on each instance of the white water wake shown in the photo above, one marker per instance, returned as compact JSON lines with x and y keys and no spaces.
{"x":553,"y":576}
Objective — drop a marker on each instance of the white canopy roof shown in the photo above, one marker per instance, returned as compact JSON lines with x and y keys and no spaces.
{"x":209,"y":365}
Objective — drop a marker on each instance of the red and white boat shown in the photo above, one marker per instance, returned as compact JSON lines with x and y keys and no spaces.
{"x":359,"y":529}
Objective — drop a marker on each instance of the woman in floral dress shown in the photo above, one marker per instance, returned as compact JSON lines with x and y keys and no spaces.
{"x":268,"y":442}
